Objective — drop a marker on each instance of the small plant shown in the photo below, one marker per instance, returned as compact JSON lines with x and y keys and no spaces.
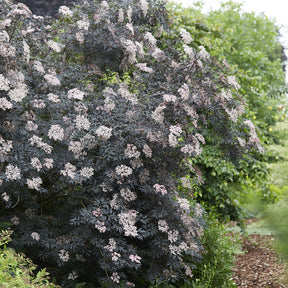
{"x":215,"y":269}
{"x":16,"y":270}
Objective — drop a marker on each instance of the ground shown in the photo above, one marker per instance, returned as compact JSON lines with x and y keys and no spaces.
{"x":258,"y":265}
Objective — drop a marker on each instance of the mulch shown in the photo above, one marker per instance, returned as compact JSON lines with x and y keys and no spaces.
{"x":259,"y":265}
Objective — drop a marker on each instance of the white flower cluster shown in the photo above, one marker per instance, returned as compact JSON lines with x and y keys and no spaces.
{"x":150,"y":40}
{"x":82,"y":122}
{"x":128,"y":220}
{"x":6,"y":50}
{"x":175,"y":132}
{"x":131,"y":151}
{"x":26,"y":52}
{"x":75,"y":93}
{"x":203,"y":54}
{"x":35,"y":162}
{"x":56,"y":132}
{"x":15,"y":220}
{"x":34,"y":183}
{"x":189,"y":51}
{"x":144,"y":7}
{"x":115,"y":202}
{"x":147,"y":151}
{"x":123,"y":170}
{"x":124,"y":92}
{"x":55,"y":46}
{"x":253,"y":138}
{"x":18,"y":93}
{"x":120,"y":15}
{"x":12,"y":172}
{"x":38,"y":103}
{"x":232,"y":81}
{"x":64,"y":255}
{"x":100,"y":225}
{"x":86,"y":172}
{"x":129,"y":13}
{"x":72,"y":276}
{"x":5,"y":197}
{"x":130,"y":49}
{"x":185,"y":35}
{"x":4,"y":83}
{"x":158,"y":114}
{"x":129,"y":26}
{"x":65,"y":11}
{"x":135,"y":258}
{"x":143,"y":67}
{"x":5,"y":104}
{"x":76,"y":147}
{"x":160,"y":189}
{"x":5,"y":147}
{"x":53,"y":98}
{"x":35,"y":140}
{"x":169,"y":98}
{"x":112,"y":245}
{"x":35,"y":236}
{"x":97,"y":213}
{"x":173,"y":236}
{"x":115,"y":256}
{"x":115,"y":277}
{"x":83,"y":24}
{"x":69,"y":170}
{"x":184,"y":92}
{"x":185,"y":182}
{"x":128,"y":195}
{"x":52,"y":79}
{"x":184,"y":204}
{"x":163,"y":226}
{"x":103,"y":132}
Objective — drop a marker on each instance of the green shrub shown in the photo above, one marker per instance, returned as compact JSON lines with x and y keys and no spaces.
{"x":17,"y":271}
{"x":215,"y":269}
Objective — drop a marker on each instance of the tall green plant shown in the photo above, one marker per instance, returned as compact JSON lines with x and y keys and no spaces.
{"x":248,"y":44}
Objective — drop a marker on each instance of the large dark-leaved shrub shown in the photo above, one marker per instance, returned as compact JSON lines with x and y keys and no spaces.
{"x":97,"y":124}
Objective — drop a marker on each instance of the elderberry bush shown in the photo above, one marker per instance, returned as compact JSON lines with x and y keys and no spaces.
{"x":97,"y":128}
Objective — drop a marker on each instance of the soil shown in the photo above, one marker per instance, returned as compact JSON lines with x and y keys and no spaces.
{"x":259,"y":265}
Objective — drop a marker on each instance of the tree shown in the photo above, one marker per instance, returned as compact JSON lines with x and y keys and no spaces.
{"x":249,"y":45}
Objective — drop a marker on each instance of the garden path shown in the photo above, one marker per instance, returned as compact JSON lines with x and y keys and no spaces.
{"x":259,"y":266}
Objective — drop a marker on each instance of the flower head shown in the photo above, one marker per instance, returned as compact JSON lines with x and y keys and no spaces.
{"x":115,"y":277}
{"x":56,"y":132}
{"x":123,"y":170}
{"x":135,"y":258}
{"x":12,"y":172}
{"x":35,"y":236}
{"x":104,"y":132}
{"x":64,"y":255}
{"x":76,"y":94}
{"x":34,"y":183}
{"x":65,"y":11}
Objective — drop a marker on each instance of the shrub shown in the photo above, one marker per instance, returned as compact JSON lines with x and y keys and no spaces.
{"x":97,"y":127}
